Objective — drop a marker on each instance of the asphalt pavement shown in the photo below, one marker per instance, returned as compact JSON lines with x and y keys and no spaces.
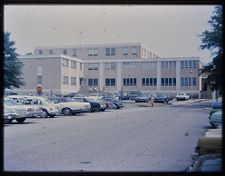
{"x":159,"y":138}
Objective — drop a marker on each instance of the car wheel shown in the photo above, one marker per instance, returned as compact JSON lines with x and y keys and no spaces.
{"x":45,"y":113}
{"x":8,"y":121}
{"x":52,"y":116}
{"x":20,"y":120}
{"x":67,"y":112}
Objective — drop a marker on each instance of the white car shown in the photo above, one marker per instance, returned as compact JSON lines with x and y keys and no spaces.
{"x":216,"y":119}
{"x":15,"y":111}
{"x":182,"y":96}
{"x":47,"y":107}
{"x":68,"y":106}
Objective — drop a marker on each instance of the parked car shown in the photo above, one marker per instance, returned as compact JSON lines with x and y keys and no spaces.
{"x":20,"y":99}
{"x":206,"y":163}
{"x":216,"y":119}
{"x":182,"y":96}
{"x":216,"y":106}
{"x":142,"y":98}
{"x":116,"y":103}
{"x":17,"y":98}
{"x":209,"y":143}
{"x":134,"y":95}
{"x":47,"y":107}
{"x":162,"y":99}
{"x":99,"y":100}
{"x":95,"y":106}
{"x":15,"y":111}
{"x":9,"y":115}
{"x":69,"y":106}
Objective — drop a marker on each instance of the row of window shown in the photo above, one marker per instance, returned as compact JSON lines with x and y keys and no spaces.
{"x":171,"y":65}
{"x":188,"y":81}
{"x":145,"y":82}
{"x":73,"y":80}
{"x":95,"y":51}
{"x":188,"y":64}
{"x":185,"y":81}
{"x":65,"y":63}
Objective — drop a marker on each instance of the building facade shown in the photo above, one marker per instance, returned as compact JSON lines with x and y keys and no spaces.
{"x":119,"y":68}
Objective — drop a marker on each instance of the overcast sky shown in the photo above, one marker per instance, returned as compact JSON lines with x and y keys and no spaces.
{"x":167,"y":30}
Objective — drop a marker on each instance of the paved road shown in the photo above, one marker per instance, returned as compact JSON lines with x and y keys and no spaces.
{"x":130,"y":139}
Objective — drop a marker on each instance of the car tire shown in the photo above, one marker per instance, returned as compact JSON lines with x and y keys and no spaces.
{"x":45,"y":113}
{"x":67,"y":111}
{"x":20,"y":120}
{"x":52,"y":116}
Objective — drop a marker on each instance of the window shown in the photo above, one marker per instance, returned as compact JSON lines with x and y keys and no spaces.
{"x":125,"y":51}
{"x":65,"y":52}
{"x":66,"y":80}
{"x":93,"y":52}
{"x":192,"y":64}
{"x":73,"y":64}
{"x":65,"y":62}
{"x":110,"y":51}
{"x":50,"y":52}
{"x":168,"y":65}
{"x":39,"y":79}
{"x":93,"y":66}
{"x":80,"y":66}
{"x":188,"y":81}
{"x":150,"y":66}
{"x":73,"y":80}
{"x":40,"y":52}
{"x":134,"y":50}
{"x":74,"y":52}
{"x":188,"y":64}
{"x":168,"y":81}
{"x":148,"y":81}
{"x":110,"y":82}
{"x":129,"y":81}
{"x":110,"y":66}
{"x":93,"y":82}
{"x":193,"y":81}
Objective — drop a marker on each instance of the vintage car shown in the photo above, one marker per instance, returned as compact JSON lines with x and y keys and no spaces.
{"x":95,"y":106}
{"x":20,"y":100}
{"x":162,"y":99}
{"x":216,"y":106}
{"x":182,"y":96}
{"x":142,"y":98}
{"x":68,"y":106}
{"x":206,"y":163}
{"x":47,"y":107}
{"x":103,"y":105}
{"x":9,"y":115}
{"x":209,"y":143}
{"x":216,"y":119}
{"x":15,"y":111}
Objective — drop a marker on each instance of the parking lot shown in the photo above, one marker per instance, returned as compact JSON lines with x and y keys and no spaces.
{"x":137,"y":137}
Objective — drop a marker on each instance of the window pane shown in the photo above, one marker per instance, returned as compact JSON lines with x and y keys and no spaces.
{"x":113,"y":82}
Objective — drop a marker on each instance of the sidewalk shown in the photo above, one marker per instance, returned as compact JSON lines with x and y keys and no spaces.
{"x":186,"y":102}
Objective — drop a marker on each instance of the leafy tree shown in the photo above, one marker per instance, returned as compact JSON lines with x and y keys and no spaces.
{"x":12,"y":65}
{"x":212,"y":40}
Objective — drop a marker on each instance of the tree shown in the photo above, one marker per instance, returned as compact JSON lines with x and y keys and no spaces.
{"x":12,"y":65}
{"x":212,"y":40}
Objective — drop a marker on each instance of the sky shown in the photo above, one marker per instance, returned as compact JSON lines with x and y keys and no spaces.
{"x":168,"y":30}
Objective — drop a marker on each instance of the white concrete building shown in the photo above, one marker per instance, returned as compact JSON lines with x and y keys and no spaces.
{"x":119,"y":67}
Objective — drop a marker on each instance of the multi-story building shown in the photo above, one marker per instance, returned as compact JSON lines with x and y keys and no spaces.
{"x":119,"y":67}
